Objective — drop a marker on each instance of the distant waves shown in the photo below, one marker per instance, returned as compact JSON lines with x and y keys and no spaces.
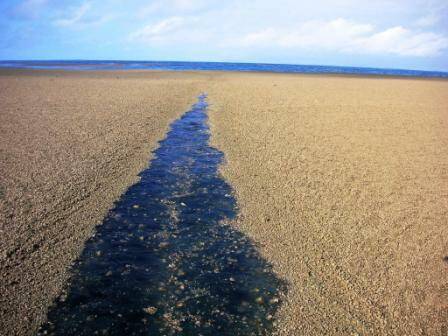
{"x":216,"y":66}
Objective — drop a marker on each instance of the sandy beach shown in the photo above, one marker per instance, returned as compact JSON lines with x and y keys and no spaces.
{"x":71,"y":143}
{"x":341,"y":181}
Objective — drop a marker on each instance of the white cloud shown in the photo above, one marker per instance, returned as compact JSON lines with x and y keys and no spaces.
{"x":77,"y":15}
{"x":346,"y":36}
{"x":428,"y":20}
{"x":403,"y":42}
{"x":310,"y":34}
{"x":159,"y":30}
{"x":188,"y":5}
{"x":339,"y":35}
{"x":173,"y":7}
{"x":80,"y":17}
{"x":174,"y":30}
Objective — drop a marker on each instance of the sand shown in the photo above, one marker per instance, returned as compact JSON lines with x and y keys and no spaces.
{"x":344,"y":184}
{"x":70,"y":145}
{"x":342,"y":181}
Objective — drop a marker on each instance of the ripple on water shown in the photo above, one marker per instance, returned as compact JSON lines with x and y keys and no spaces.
{"x":164,"y":262}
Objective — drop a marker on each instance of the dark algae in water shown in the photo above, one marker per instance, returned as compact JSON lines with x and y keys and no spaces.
{"x":164,"y":262}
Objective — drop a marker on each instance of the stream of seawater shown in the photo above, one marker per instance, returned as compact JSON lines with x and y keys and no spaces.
{"x":165,"y":261}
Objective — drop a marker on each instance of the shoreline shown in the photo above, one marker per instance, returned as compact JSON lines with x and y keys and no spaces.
{"x":114,"y":72}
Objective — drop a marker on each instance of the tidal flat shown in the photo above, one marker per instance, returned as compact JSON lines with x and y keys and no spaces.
{"x":341,"y":182}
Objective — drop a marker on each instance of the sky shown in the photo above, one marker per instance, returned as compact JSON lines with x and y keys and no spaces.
{"x":408,"y":34}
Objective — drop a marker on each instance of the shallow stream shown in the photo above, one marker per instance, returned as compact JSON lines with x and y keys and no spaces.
{"x":165,"y":261}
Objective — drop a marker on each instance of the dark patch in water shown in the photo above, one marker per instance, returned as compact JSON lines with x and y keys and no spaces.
{"x":163,"y":263}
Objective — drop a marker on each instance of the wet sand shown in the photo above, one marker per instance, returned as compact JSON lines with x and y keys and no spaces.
{"x":342,"y":181}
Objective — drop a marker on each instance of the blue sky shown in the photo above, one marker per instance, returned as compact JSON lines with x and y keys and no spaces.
{"x":409,"y":34}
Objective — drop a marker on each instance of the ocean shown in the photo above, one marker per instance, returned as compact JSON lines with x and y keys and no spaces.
{"x":216,"y":66}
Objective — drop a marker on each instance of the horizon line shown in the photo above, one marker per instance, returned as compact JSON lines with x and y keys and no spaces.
{"x":225,"y":62}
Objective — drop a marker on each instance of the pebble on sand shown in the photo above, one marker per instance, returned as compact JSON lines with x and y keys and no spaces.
{"x":150,"y":310}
